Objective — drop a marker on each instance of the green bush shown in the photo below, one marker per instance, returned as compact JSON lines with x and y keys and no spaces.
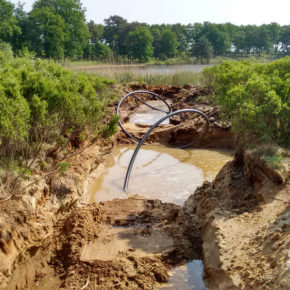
{"x":6,"y":53}
{"x":41,"y":102}
{"x":255,"y":98}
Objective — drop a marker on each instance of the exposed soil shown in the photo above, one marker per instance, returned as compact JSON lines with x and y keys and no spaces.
{"x":124,"y":244}
{"x":239,"y":223}
{"x":181,"y":131}
{"x":246,"y":230}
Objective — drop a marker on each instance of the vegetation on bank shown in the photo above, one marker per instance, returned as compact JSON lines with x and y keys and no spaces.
{"x":255,"y":98}
{"x":177,"y":60}
{"x":44,"y":106}
{"x":58,"y":29}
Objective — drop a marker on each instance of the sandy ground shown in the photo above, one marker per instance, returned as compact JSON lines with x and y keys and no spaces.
{"x":238,"y":224}
{"x":123,"y":244}
{"x":245,"y":231}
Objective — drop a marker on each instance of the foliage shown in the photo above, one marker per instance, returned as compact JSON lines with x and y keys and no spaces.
{"x":140,"y":44}
{"x":75,"y":28}
{"x":115,"y":33}
{"x":43,"y":103}
{"x":53,"y":29}
{"x":8,"y":22}
{"x":95,"y":49}
{"x":255,"y":98}
{"x":57,"y":29}
{"x":203,"y":49}
{"x":168,"y":43}
{"x":217,"y":37}
{"x":275,"y":156}
{"x":178,"y":79}
{"x":46,"y":32}
{"x":64,"y":166}
{"x":111,"y":128}
{"x":285,"y":39}
{"x":6,"y":53}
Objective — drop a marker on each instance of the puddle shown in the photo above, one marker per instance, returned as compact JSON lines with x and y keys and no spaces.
{"x":146,"y":116}
{"x":187,"y":277}
{"x":159,"y":172}
{"x":115,"y":240}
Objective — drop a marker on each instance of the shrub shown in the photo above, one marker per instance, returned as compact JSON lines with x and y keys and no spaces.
{"x":6,"y":53}
{"x":255,"y":98}
{"x":41,"y":102}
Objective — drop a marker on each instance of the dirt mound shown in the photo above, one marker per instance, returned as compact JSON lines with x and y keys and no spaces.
{"x":246,"y":227}
{"x":124,"y":244}
{"x":28,"y":218}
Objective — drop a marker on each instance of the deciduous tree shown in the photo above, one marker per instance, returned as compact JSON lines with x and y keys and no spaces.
{"x":8,"y":22}
{"x":46,"y":33}
{"x":76,"y":30}
{"x":168,"y":43}
{"x":203,"y":49}
{"x":140,"y":44}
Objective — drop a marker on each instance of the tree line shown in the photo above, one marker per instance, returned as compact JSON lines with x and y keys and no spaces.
{"x":58,"y":29}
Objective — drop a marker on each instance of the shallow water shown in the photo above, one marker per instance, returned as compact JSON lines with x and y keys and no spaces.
{"x":147,"y":116}
{"x":114,"y":240}
{"x":143,"y":69}
{"x":159,"y":172}
{"x":187,"y":277}
{"x":164,"y":173}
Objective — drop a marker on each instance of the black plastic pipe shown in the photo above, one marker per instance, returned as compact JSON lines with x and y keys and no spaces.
{"x":152,"y":128}
{"x":153,"y":108}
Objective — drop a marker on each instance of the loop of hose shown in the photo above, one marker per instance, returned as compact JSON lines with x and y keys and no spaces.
{"x":168,"y":115}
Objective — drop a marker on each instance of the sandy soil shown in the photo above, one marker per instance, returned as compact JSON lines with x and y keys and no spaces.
{"x":239,"y":223}
{"x":245,"y":231}
{"x":127,"y":244}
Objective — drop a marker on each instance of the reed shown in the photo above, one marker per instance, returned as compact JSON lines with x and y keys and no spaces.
{"x":122,"y":75}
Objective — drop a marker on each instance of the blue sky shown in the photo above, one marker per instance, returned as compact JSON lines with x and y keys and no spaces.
{"x":187,"y":11}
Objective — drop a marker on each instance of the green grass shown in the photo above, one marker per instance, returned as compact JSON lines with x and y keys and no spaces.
{"x":272,"y":154}
{"x":175,"y":79}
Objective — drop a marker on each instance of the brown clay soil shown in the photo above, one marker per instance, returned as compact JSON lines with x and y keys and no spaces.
{"x":180,"y":133}
{"x":245,"y":232}
{"x":238,"y":224}
{"x":124,"y":244}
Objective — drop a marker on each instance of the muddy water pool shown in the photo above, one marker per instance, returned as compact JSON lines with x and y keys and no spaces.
{"x":159,"y":172}
{"x":187,"y":277}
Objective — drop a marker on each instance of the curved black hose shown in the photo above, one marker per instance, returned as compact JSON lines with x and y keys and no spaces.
{"x":154,"y":108}
{"x":152,"y":128}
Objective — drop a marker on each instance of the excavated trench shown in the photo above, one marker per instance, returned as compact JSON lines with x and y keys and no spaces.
{"x":165,"y":173}
{"x":186,"y":212}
